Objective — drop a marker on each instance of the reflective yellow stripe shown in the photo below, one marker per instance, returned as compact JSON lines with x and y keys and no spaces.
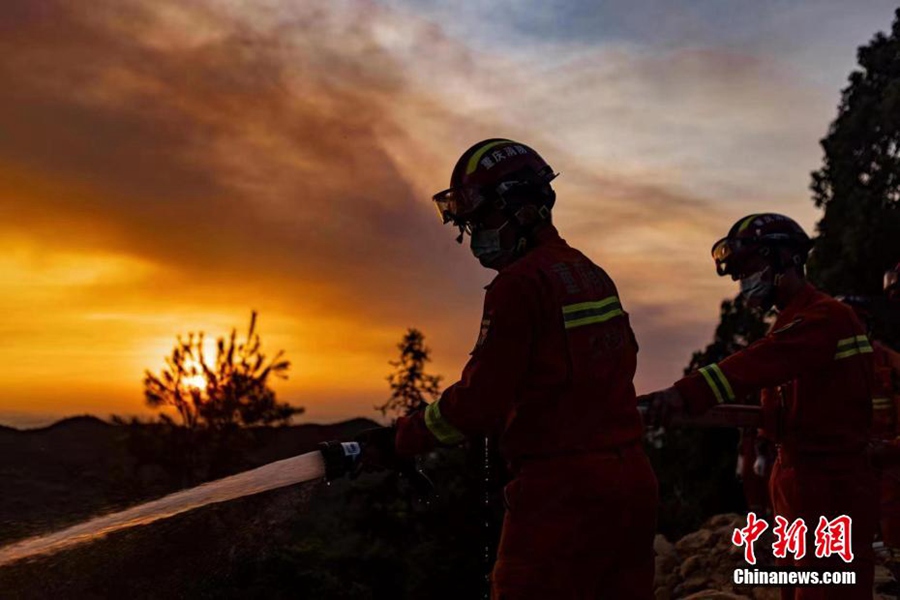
{"x":851,"y":352}
{"x":595,"y":311}
{"x":718,"y":383}
{"x":473,"y":161}
{"x":597,"y":319}
{"x":440,"y":427}
{"x":853,"y":341}
{"x":570,"y":308}
{"x":712,"y":385}
{"x":852,"y":346}
{"x":723,"y":380}
{"x":747,"y":222}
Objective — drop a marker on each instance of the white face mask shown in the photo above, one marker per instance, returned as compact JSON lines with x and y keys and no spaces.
{"x":758,"y":290}
{"x":485,"y":245}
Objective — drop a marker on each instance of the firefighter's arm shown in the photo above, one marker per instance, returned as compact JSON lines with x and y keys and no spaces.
{"x":809,"y":341}
{"x":893,"y":357}
{"x":479,"y":402}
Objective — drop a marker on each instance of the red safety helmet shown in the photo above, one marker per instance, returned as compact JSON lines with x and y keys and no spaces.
{"x":892,"y":283}
{"x":758,"y":235}
{"x":492,"y":171}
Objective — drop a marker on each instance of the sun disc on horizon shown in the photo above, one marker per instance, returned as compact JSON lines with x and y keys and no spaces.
{"x":197,"y":381}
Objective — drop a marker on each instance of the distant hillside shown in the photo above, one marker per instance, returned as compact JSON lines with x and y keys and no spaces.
{"x":78,"y":423}
{"x":80,"y":466}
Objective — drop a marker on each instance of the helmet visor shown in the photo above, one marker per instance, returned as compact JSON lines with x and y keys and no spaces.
{"x":731,"y":255}
{"x":891,"y":279}
{"x":722,"y":252}
{"x":457,"y":205}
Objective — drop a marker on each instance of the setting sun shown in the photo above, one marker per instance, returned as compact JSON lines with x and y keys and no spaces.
{"x":197,"y":382}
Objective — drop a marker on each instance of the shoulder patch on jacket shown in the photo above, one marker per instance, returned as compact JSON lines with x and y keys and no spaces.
{"x":788,"y":326}
{"x":482,"y":333}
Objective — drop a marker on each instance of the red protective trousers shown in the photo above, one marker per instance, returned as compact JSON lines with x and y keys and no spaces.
{"x":811,"y":488}
{"x":579,"y":528}
{"x":886,"y":430}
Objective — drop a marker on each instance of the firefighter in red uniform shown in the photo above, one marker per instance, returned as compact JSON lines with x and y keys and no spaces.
{"x":885,"y":447}
{"x":886,"y":425}
{"x":817,"y":365}
{"x":551,"y":376}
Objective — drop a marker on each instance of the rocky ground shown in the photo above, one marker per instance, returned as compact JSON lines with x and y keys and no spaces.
{"x":700,"y":565}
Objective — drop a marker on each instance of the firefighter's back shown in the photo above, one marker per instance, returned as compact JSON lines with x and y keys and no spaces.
{"x":582,"y":507}
{"x":579,"y":392}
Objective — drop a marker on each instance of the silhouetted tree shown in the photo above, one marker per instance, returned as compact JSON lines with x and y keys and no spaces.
{"x":859,"y":182}
{"x":410,"y":384}
{"x":233,"y":392}
{"x":739,"y":326}
{"x":215,"y":404}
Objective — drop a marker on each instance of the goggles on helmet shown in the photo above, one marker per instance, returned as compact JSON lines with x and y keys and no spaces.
{"x":457,"y":205}
{"x":726,"y":252}
{"x":729,"y":253}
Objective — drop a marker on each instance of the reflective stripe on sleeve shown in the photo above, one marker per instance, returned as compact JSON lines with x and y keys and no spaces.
{"x":882,"y":404}
{"x":717,"y":381}
{"x":586,"y":313}
{"x":440,"y":427}
{"x":852,"y":346}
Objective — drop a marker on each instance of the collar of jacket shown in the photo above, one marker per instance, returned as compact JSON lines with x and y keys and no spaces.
{"x":547,"y":234}
{"x":800,"y":301}
{"x":544,"y":236}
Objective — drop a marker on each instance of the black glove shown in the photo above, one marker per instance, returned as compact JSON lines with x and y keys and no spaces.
{"x":371,"y":450}
{"x":661,"y":407}
{"x":378,"y":450}
{"x":379,"y":453}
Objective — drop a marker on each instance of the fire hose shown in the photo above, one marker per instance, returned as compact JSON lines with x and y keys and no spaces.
{"x":350,"y":459}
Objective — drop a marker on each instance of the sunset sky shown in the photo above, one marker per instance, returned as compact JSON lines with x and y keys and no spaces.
{"x":168,"y":165}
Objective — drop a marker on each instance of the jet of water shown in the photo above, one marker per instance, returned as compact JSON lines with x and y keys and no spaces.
{"x":298,"y":469}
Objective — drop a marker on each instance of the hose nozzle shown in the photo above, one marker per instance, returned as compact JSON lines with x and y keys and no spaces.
{"x":340,"y":458}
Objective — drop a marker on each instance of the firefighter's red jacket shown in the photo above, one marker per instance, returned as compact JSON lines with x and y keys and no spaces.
{"x":818,"y":357}
{"x":551,"y":372}
{"x":886,"y":399}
